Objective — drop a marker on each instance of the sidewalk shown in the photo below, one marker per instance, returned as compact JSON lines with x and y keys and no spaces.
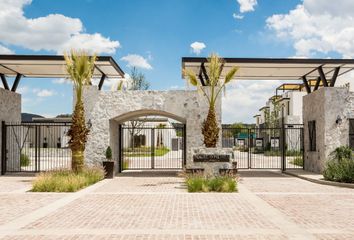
{"x":316,"y":178}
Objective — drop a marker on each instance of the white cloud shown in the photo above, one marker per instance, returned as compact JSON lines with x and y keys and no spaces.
{"x":197,"y":47}
{"x":317,"y":26}
{"x":237,"y":16}
{"x":93,"y":43}
{"x":247,"y":5}
{"x":135,"y":60}
{"x":54,"y":32}
{"x":5,"y":50}
{"x":23,"y":90}
{"x":243,"y":99}
{"x":44,"y":92}
{"x":61,"y":81}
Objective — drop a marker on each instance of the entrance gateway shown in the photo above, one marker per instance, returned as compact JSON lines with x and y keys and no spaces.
{"x":152,"y":144}
{"x":107,"y":111}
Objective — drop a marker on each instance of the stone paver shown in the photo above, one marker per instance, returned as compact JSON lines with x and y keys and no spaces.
{"x":13,"y":206}
{"x":269,"y":205}
{"x":15,"y":184}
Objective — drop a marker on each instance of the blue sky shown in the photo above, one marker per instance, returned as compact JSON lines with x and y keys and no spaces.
{"x":154,"y":35}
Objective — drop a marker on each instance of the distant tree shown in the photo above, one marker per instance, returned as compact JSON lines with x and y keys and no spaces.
{"x":272,"y":118}
{"x":234,"y":129}
{"x":64,"y":115}
{"x":138,"y":79}
{"x":138,"y":82}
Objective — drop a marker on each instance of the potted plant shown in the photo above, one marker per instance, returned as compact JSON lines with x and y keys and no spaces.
{"x":108,"y":165}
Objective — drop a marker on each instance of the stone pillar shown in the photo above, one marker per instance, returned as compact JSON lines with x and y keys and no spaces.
{"x":324,"y":106}
{"x":10,"y":111}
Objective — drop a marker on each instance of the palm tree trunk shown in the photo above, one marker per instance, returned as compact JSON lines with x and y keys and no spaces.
{"x":78,"y":136}
{"x":210,"y":129}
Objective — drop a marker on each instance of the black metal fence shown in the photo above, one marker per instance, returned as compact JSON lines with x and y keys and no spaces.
{"x":266,"y":148}
{"x":152,"y":147}
{"x":35,"y":147}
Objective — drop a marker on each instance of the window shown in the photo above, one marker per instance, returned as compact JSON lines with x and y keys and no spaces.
{"x":351,"y":133}
{"x":312,"y":135}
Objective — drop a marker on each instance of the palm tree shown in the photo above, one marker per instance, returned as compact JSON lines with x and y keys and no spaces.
{"x":210,"y":128}
{"x":80,"y":68}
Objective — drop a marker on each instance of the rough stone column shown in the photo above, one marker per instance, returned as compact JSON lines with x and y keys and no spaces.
{"x":324,"y":106}
{"x":10,"y":111}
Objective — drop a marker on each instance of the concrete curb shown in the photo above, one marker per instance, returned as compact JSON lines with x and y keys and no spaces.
{"x":319,"y":181}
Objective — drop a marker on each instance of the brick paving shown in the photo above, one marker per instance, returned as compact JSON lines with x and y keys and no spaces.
{"x":269,"y":205}
{"x":13,"y":205}
{"x":15,"y":184}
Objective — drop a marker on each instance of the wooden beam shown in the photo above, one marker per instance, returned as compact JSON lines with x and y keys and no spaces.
{"x":306,"y":84}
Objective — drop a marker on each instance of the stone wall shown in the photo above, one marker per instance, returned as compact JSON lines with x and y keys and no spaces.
{"x":107,"y":110}
{"x":324,"y":106}
{"x":10,"y":109}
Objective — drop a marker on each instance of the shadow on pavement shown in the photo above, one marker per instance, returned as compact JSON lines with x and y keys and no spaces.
{"x":261,"y":173}
{"x":149,"y":173}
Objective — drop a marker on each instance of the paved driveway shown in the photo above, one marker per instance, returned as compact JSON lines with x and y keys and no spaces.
{"x":269,"y":205}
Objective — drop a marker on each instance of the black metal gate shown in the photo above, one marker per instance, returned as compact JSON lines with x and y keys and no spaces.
{"x":35,"y":147}
{"x":266,"y":148}
{"x":152,"y":147}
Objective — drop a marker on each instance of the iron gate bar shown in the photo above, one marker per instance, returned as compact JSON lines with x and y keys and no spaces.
{"x":3,"y":148}
{"x":24,"y":151}
{"x":276,"y":152}
{"x":166,"y":149}
{"x":152,"y":148}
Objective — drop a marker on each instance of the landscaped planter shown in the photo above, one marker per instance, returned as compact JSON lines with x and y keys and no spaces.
{"x":108,"y":168}
{"x":212,"y":160}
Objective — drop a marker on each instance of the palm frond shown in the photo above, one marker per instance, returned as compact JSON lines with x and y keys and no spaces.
{"x":120,"y":86}
{"x":192,"y":78}
{"x":231,"y":74}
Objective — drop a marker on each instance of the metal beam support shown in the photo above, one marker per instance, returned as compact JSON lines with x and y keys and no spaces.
{"x":308,"y":89}
{"x":201,"y":77}
{"x":16,"y":82}
{"x":334,"y":77}
{"x":4,"y":81}
{"x":100,"y":84}
{"x":322,"y":76}
{"x":205,"y":74}
{"x":317,"y":84}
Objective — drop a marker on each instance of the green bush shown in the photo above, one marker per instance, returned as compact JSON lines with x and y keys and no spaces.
{"x":342,"y":171}
{"x":340,"y":153}
{"x":125,"y":164}
{"x":272,"y":153}
{"x":196,"y":183}
{"x":109,"y":153}
{"x":340,"y":168}
{"x":293,"y":153}
{"x":298,"y":161}
{"x":24,"y":160}
{"x":66,"y":180}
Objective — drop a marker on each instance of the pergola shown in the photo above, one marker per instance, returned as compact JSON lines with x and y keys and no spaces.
{"x":311,"y":72}
{"x":50,"y":66}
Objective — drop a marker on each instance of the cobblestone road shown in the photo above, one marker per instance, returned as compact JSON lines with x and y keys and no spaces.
{"x":269,"y":205}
